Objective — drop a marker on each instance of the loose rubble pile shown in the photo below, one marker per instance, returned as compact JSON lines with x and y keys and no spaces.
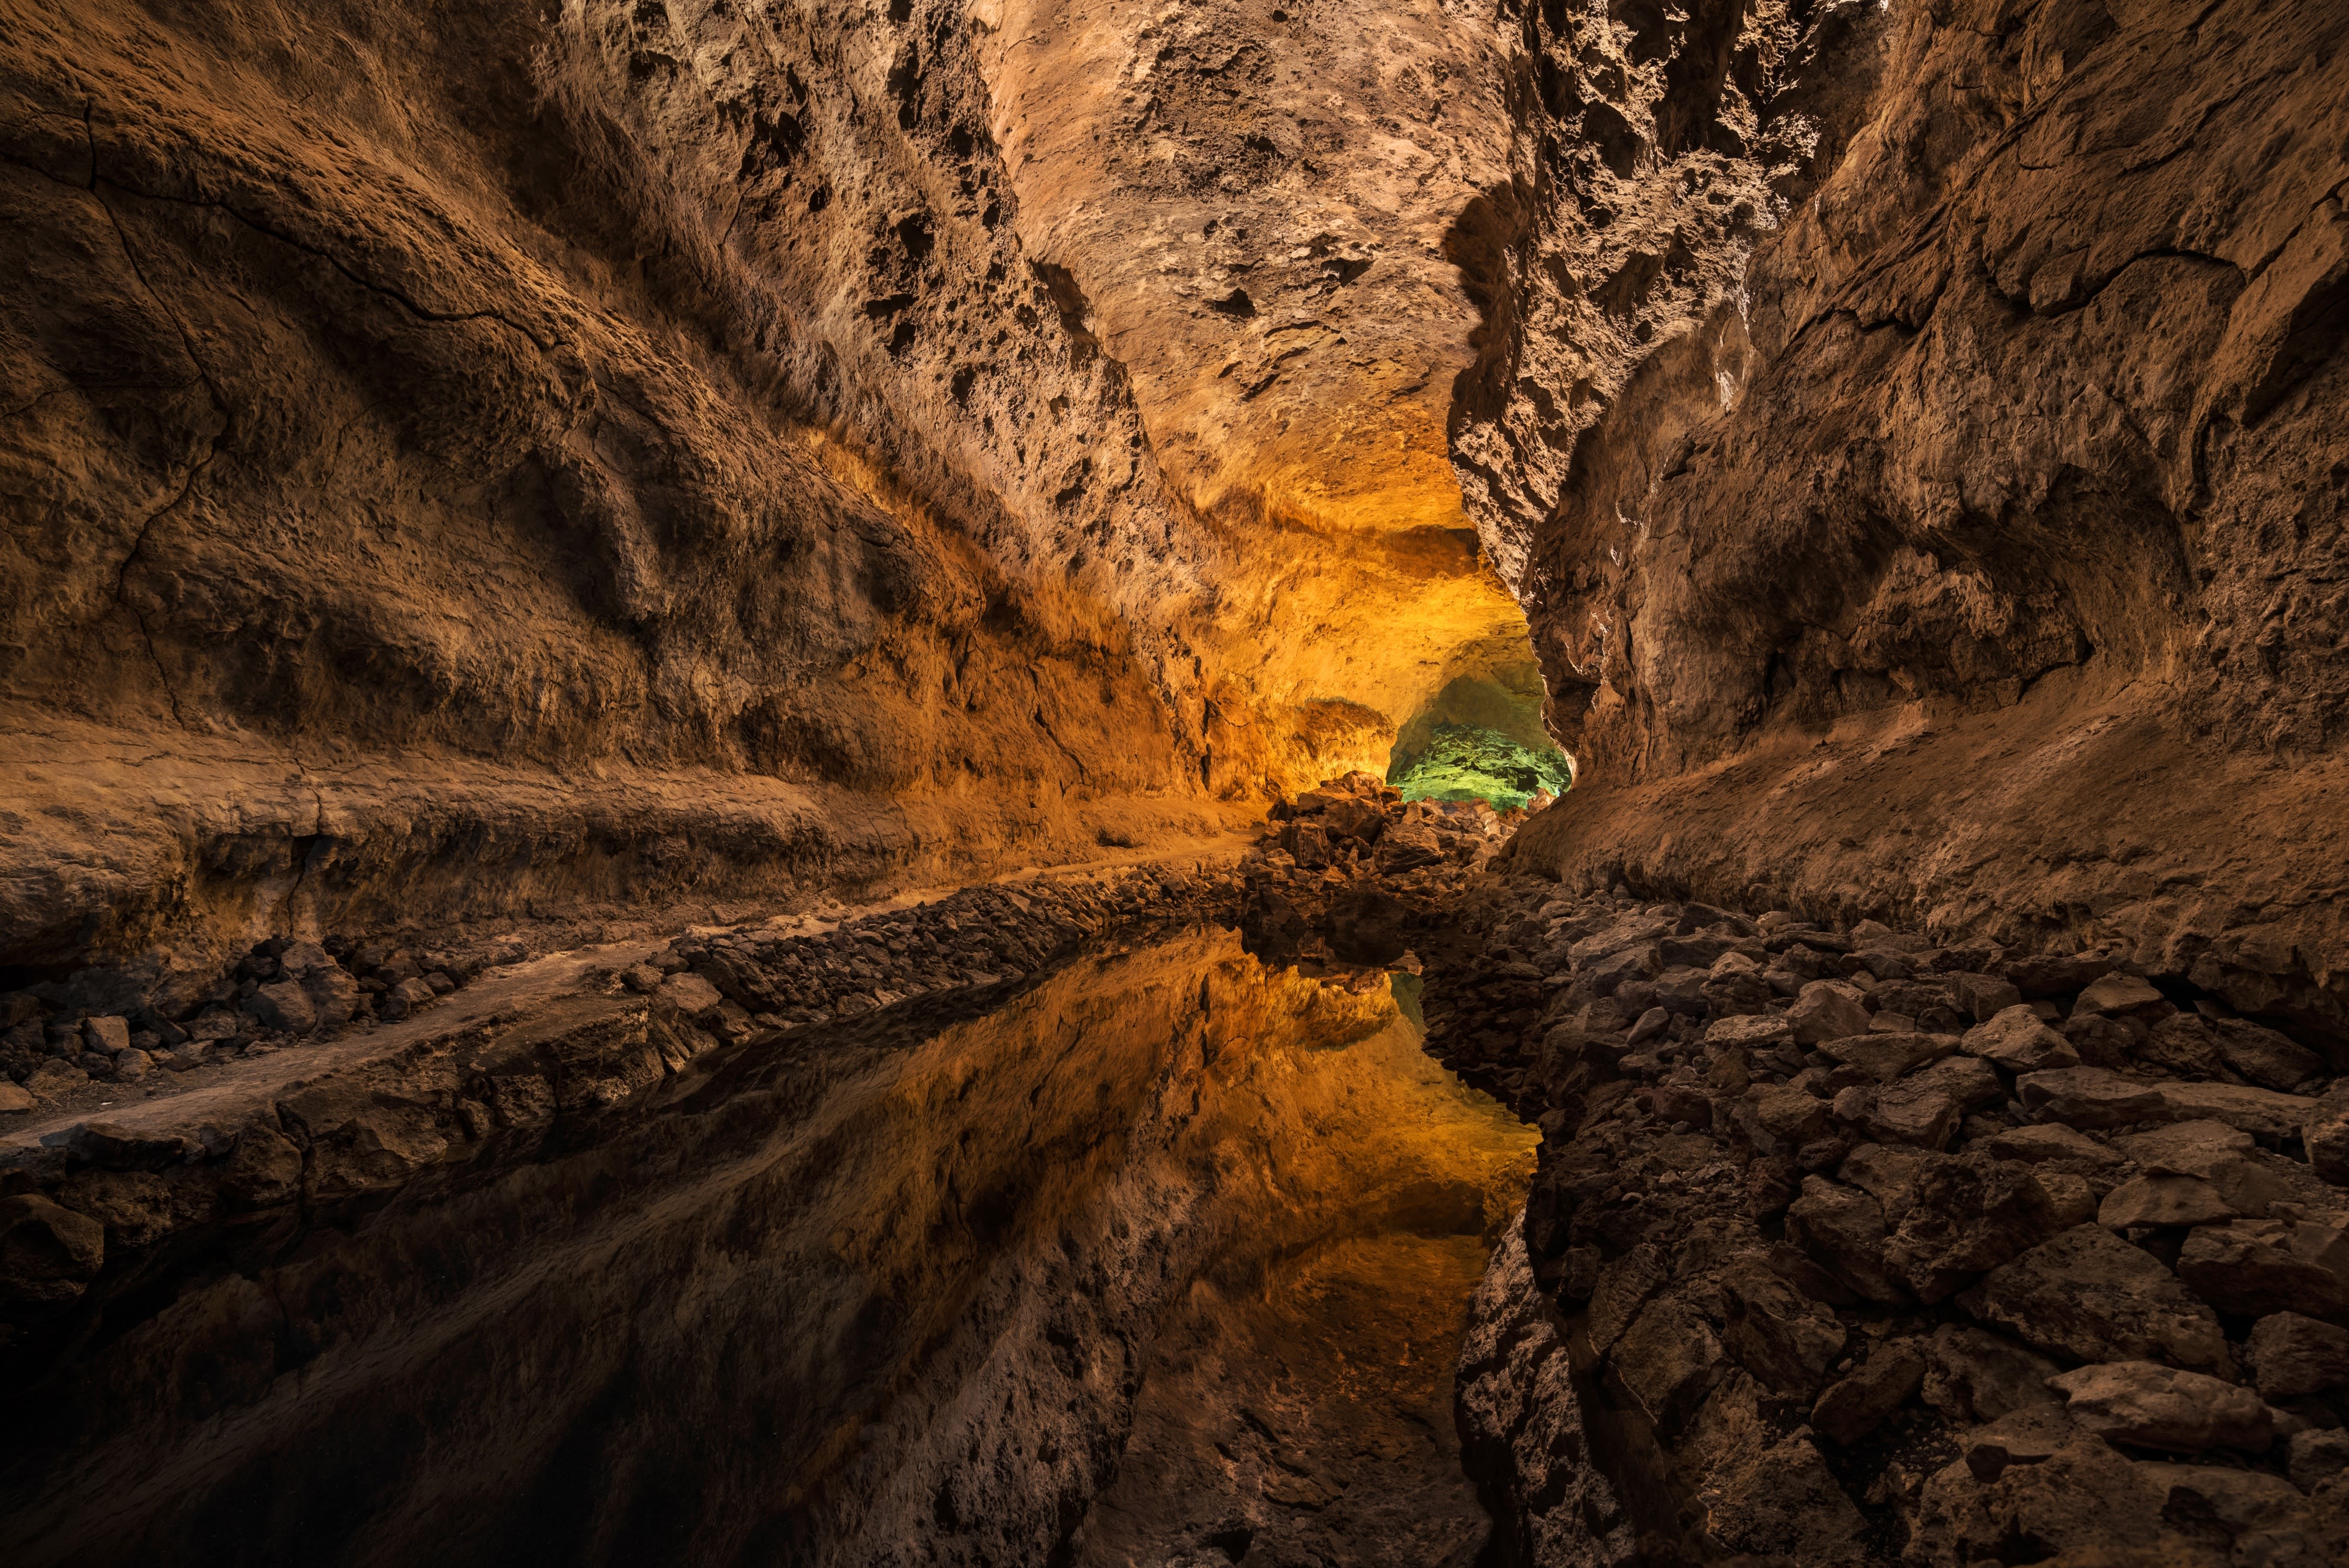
{"x":1349,"y":873}
{"x":758,"y":977}
{"x":109,"y":1026}
{"x":1865,"y":1249}
{"x":79,"y":1211}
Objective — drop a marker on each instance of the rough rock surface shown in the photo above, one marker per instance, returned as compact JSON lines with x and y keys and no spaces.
{"x":1915,"y":432}
{"x":1759,"y":1317}
{"x":472,"y":461}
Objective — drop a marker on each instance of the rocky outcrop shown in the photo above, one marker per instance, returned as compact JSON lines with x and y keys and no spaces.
{"x":1849,"y":1247}
{"x":1914,"y":432}
{"x":1350,"y":874}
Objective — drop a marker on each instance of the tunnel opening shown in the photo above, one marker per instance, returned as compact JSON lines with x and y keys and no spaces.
{"x":1480,"y":737}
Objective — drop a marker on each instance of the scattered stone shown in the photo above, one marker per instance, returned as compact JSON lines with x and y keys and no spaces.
{"x":1973,"y":1374}
{"x":1855,"y":1407}
{"x":2024,"y":1436}
{"x":49,"y":1254}
{"x":2117,"y":993}
{"x":2292,"y":1354}
{"x":2087,"y":1295}
{"x":2252,"y":1268}
{"x":106,"y":1036}
{"x":2264,"y":1056}
{"x":2157,"y":1406}
{"x":1827,"y":1009}
{"x":2017,"y":1041}
{"x":13,"y":1098}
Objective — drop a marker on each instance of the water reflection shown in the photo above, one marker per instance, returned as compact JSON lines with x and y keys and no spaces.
{"x":891,"y":1296}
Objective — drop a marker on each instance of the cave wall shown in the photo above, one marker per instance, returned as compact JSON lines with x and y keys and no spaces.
{"x":463,"y":462}
{"x":1914,"y":432}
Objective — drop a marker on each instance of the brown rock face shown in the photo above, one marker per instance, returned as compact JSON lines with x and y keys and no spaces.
{"x":460,"y":461}
{"x":1948,"y":520}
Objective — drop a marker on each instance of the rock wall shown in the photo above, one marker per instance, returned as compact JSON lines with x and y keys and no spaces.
{"x":1850,"y":1247}
{"x":1914,"y":432}
{"x":463,"y":462}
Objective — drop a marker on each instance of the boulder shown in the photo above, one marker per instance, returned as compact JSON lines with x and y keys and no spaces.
{"x":2090,"y":1098}
{"x":1785,"y":1339}
{"x":49,"y":1254}
{"x":110,"y":1146}
{"x":2117,"y":993}
{"x":1886,"y":1056}
{"x":1969,"y":1214}
{"x":2216,"y":1501}
{"x":1669,"y":1360}
{"x":2252,"y":1268}
{"x":1968,"y":1080}
{"x":1915,"y":1111}
{"x":2089,"y":1295}
{"x":1844,"y":1232}
{"x":1981,"y":997}
{"x":283,"y":1007}
{"x":2017,"y":1041}
{"x":2081,"y":1496}
{"x":106,"y":1036}
{"x":1748,"y":1033}
{"x":54,"y":1078}
{"x":2265,"y":1114}
{"x":2168,"y":1200}
{"x":2265,"y":1057}
{"x":1856,"y":1405}
{"x":411,"y":995}
{"x":334,"y":993}
{"x":2048,"y":1142}
{"x":1618,"y":968}
{"x":2022,"y":1437}
{"x":2157,"y":1407}
{"x":1827,"y":1009}
{"x":1973,"y":1374}
{"x":2324,"y":1134}
{"x":2181,"y":1043}
{"x":1793,"y":1114}
{"x":2291,"y":1354}
{"x":14,"y":1099}
{"x":2053,"y":975}
{"x":2316,"y":1456}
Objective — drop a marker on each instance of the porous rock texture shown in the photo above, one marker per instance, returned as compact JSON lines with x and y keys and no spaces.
{"x":466,"y":463}
{"x":1821,"y":1266}
{"x":1914,"y":431}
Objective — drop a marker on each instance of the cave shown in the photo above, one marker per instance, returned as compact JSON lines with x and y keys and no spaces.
{"x":1001,"y":783}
